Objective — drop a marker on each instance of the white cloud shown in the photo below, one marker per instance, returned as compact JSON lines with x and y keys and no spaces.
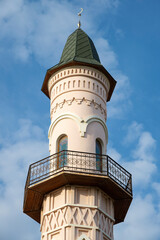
{"x":142,"y":221}
{"x":21,"y":52}
{"x":37,"y":28}
{"x":8,"y":8}
{"x":120,"y":102}
{"x":143,"y":218}
{"x":107,"y":55}
{"x":24,"y":146}
{"x":28,"y":131}
{"x":156,"y":187}
{"x":143,"y":165}
{"x":145,"y":148}
{"x":27,"y":145}
{"x":134,"y":132}
{"x":40,"y":29}
{"x":114,"y":153}
{"x":141,"y":161}
{"x":142,"y":172}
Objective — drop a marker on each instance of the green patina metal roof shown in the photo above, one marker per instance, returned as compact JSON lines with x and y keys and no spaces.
{"x":79,"y":47}
{"x":79,"y":50}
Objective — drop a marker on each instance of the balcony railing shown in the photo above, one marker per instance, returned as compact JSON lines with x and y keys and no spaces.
{"x":82,"y":162}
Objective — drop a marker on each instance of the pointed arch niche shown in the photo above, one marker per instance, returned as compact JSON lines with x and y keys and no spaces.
{"x":83,"y":237}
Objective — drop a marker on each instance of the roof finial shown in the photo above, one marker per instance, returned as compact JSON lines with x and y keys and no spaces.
{"x":79,"y":14}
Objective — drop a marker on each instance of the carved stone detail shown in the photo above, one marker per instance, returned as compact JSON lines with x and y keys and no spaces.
{"x":90,"y":72}
{"x":83,"y":237}
{"x":78,"y":101}
{"x":78,"y":216}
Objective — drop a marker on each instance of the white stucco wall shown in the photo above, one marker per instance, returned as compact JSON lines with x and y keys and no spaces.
{"x":78,"y":108}
{"x":75,"y":211}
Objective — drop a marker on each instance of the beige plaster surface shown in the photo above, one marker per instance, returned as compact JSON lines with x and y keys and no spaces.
{"x":74,"y":211}
{"x":78,"y":108}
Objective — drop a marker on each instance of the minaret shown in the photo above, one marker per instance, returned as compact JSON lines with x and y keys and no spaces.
{"x":78,"y":192}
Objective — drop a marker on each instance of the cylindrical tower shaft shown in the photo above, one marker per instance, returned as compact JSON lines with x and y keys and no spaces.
{"x":78,"y":109}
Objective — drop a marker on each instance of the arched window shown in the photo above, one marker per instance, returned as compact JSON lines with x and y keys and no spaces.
{"x":62,"y":151}
{"x":98,"y":156}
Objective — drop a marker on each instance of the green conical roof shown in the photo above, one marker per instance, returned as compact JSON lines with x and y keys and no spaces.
{"x":79,"y":50}
{"x":79,"y":47}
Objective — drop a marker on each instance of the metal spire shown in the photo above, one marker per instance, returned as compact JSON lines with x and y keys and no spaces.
{"x":79,"y":14}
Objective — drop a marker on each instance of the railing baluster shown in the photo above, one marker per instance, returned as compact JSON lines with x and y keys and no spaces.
{"x":80,"y":162}
{"x":107,"y":166}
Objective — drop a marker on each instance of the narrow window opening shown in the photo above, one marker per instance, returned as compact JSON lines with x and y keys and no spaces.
{"x":98,"y":155}
{"x":62,"y":152}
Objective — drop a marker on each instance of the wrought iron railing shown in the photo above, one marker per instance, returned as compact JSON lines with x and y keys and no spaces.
{"x":83,"y":162}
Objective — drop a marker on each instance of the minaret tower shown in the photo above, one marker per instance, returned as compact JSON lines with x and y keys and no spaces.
{"x":78,"y":192}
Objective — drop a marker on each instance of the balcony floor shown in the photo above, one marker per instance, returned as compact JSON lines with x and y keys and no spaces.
{"x":81,"y":169}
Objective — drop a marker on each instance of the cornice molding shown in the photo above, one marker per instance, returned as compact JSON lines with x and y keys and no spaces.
{"x":78,"y":71}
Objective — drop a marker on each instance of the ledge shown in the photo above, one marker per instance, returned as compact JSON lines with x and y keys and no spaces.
{"x":77,"y":168}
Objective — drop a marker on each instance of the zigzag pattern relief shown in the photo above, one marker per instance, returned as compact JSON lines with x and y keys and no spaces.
{"x":78,"y":101}
{"x":77,"y":215}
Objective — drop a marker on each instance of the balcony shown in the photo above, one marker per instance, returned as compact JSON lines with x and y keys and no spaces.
{"x":72,"y":167}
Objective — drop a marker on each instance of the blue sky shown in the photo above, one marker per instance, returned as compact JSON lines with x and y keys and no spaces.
{"x":126,"y":35}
